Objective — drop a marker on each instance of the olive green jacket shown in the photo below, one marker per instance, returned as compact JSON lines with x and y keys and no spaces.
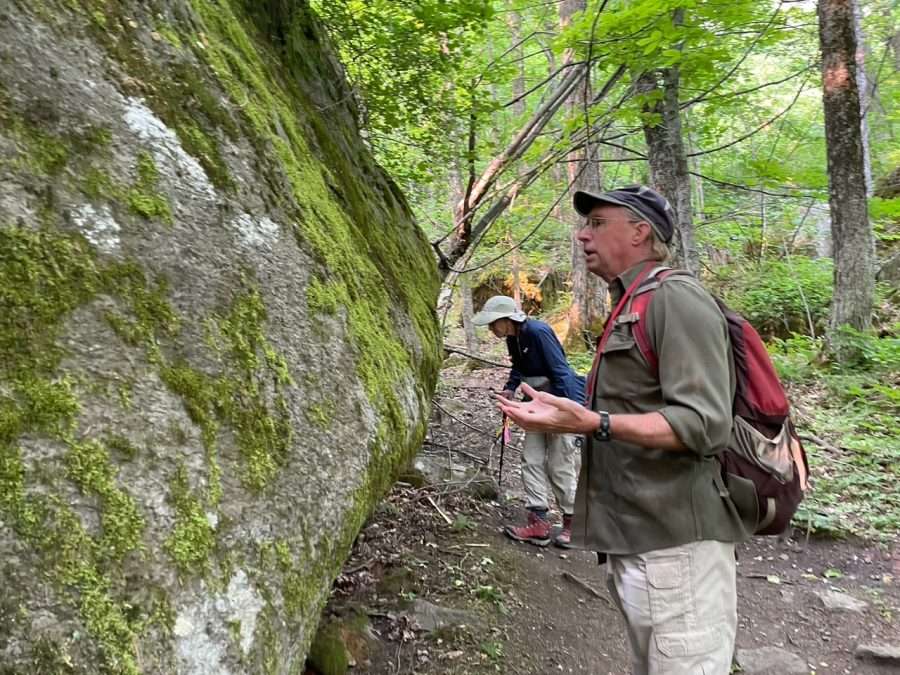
{"x":632,"y":499}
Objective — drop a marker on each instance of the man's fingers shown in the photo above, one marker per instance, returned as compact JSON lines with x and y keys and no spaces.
{"x":529,"y":390}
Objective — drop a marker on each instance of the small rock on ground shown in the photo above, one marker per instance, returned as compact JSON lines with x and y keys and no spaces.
{"x":879,"y":653}
{"x":835,"y":600}
{"x":430,"y":617}
{"x":770,"y":661}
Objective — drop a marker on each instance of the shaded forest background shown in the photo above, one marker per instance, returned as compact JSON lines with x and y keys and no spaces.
{"x":772,"y":127}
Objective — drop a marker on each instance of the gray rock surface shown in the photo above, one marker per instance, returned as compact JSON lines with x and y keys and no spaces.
{"x":888,"y":654}
{"x":217,"y":334}
{"x":770,"y":661}
{"x":430,"y":617}
{"x":838,"y":601}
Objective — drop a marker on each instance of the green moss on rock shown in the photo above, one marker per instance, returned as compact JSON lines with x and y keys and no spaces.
{"x":324,"y":298}
{"x":88,"y":466}
{"x":193,"y":538}
{"x":143,"y":197}
{"x":328,"y":654}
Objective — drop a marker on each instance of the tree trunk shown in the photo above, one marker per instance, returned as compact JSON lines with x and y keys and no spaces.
{"x":465,"y":292}
{"x":583,"y":174}
{"x":667,"y":158}
{"x":668,"y":161}
{"x":852,"y":237}
{"x":514,"y":23}
{"x":865,"y":97}
{"x":464,"y":233}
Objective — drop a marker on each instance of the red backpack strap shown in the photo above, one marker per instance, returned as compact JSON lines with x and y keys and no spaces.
{"x":639,"y":304}
{"x":646,"y":272}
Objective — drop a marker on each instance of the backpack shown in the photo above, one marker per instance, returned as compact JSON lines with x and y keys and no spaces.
{"x":764,"y":469}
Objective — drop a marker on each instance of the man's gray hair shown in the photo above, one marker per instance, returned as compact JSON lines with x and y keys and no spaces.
{"x":659,"y":250}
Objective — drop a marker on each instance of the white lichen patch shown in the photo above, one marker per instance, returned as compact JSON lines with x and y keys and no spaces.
{"x":204,"y":630}
{"x":255,"y":232}
{"x":200,"y":651}
{"x":172,"y":159}
{"x":241,"y":604}
{"x":98,"y":227}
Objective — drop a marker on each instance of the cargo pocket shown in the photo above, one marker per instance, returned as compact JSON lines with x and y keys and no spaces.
{"x":697,"y":652}
{"x":668,"y":582}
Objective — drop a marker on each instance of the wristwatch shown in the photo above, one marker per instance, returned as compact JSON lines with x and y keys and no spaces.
{"x":601,"y":433}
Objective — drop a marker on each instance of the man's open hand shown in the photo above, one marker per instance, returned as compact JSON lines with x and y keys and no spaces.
{"x":546,"y":412}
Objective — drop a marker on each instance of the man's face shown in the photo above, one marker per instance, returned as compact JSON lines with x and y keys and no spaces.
{"x":610,"y":237}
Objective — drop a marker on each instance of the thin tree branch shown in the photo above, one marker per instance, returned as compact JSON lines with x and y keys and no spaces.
{"x":757,"y":129}
{"x":737,"y":65}
{"x":747,"y":188}
{"x":454,"y":350}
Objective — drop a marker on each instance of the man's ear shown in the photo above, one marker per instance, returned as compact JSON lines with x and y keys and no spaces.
{"x":643,"y":232}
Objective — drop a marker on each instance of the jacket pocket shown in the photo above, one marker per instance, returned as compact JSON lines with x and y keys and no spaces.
{"x":618,"y":365}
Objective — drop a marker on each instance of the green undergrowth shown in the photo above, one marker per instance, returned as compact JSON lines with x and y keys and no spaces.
{"x":853,"y":408}
{"x":778,"y":296}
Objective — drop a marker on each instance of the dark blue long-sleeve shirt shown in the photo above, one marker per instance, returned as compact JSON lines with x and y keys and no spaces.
{"x":536,"y":352}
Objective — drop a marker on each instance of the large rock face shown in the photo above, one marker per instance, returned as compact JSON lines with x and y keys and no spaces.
{"x":217,"y":336}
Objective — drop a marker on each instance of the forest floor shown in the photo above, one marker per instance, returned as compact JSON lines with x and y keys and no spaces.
{"x":433,"y":586}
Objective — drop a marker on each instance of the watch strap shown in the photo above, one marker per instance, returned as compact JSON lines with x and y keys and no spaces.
{"x":602,"y":432}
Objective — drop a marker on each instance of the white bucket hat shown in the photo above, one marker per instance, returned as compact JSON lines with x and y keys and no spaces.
{"x":498,"y":307}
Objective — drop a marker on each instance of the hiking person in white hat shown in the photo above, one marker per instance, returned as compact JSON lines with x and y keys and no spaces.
{"x":538,"y":360}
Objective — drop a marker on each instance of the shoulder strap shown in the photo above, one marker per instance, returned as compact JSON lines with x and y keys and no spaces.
{"x":610,"y":322}
{"x":639,"y":304}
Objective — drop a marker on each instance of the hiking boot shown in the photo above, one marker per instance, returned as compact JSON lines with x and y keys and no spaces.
{"x":564,"y":538}
{"x":536,"y":532}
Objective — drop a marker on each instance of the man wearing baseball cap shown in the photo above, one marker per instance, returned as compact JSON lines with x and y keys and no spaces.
{"x":647,"y":493}
{"x":538,"y":359}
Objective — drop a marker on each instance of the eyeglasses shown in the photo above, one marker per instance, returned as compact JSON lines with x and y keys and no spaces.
{"x":596,"y":223}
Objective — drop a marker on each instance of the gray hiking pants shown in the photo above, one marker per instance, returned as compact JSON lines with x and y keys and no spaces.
{"x":549,"y":458}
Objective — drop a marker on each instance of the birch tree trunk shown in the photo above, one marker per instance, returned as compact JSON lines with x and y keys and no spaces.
{"x":852,"y":237}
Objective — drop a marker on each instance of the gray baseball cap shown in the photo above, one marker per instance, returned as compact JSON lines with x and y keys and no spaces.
{"x":498,"y":307}
{"x":644,"y":202}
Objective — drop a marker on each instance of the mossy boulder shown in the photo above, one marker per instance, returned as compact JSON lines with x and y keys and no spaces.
{"x":217,"y":334}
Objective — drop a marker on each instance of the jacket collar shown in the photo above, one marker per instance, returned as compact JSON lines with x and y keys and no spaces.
{"x":623,"y":281}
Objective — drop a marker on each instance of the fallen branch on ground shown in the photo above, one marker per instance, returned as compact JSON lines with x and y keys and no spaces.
{"x":568,"y":576}
{"x":454,"y":350}
{"x":821,"y":443}
{"x":471,"y":426}
{"x":439,"y":509}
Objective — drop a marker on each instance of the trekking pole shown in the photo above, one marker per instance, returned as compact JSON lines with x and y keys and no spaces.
{"x":504,"y":439}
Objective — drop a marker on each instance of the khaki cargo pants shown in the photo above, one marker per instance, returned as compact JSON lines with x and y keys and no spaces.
{"x":680,"y":606}
{"x":549,"y":458}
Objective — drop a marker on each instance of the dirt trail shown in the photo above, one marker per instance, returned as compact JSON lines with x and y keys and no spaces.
{"x":528,"y":610}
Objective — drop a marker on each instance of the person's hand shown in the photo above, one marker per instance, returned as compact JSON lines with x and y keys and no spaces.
{"x":546,"y":412}
{"x":508,"y":394}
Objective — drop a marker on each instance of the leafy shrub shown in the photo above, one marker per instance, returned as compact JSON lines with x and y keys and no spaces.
{"x":779,"y":297}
